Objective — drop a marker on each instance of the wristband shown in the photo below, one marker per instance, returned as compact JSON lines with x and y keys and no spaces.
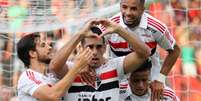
{"x":161,"y":77}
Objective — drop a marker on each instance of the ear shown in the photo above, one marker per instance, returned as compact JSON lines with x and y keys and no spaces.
{"x":32,"y":54}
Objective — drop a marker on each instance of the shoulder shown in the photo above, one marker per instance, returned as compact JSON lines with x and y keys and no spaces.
{"x":168,"y":93}
{"x":154,"y":24}
{"x":29,"y":76}
{"x":23,"y":76}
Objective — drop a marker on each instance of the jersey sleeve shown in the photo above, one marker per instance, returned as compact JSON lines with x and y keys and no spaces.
{"x":165,"y":39}
{"x":169,"y":95}
{"x":29,"y":83}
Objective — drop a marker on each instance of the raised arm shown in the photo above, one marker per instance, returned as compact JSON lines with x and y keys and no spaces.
{"x":141,"y":51}
{"x":58,"y":63}
{"x":46,"y":93}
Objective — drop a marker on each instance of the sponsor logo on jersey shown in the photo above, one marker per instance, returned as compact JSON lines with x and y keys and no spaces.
{"x":93,"y":98}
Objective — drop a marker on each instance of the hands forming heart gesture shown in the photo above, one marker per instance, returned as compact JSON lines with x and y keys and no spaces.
{"x":111,"y":27}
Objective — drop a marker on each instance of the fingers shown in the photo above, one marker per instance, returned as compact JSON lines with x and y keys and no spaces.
{"x":87,"y":78}
{"x":88,"y":75}
{"x":110,"y":26}
{"x":158,"y":95}
{"x":93,"y":22}
{"x":104,"y":22}
{"x":152,"y":96}
{"x":92,"y":73}
{"x":89,"y":54}
{"x":157,"y":90}
{"x":84,"y":58}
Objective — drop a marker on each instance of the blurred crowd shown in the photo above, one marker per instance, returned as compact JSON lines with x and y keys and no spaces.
{"x":183,"y":18}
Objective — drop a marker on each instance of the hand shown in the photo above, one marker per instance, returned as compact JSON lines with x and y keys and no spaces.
{"x":88,"y":75}
{"x":156,"y":90}
{"x":111,"y":27}
{"x":84,"y":58}
{"x":86,"y":30}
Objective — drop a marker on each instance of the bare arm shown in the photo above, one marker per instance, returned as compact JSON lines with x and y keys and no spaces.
{"x":136,"y":58}
{"x":46,"y":93}
{"x":57,"y":64}
{"x":170,"y":60}
{"x":133,"y":60}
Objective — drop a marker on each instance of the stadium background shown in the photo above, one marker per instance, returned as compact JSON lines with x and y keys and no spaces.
{"x":61,"y":18}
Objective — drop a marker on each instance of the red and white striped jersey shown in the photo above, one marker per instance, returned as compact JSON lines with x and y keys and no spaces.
{"x":150,"y":30}
{"x":106,"y":86}
{"x":127,"y":95}
{"x":30,"y":81}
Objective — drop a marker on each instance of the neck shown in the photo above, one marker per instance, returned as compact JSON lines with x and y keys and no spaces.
{"x":38,"y":66}
{"x":102,"y":61}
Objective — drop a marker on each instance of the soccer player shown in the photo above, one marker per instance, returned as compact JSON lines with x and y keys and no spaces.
{"x":38,"y":82}
{"x":152,"y":32}
{"x":108,"y":72}
{"x":137,"y":87}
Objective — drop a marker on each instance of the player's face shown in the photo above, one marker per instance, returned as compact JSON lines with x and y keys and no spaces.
{"x":43,"y":50}
{"x":139,"y":82}
{"x":98,"y":48}
{"x":131,"y":12}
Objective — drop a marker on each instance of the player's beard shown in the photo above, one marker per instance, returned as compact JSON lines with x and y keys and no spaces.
{"x":44,"y":59}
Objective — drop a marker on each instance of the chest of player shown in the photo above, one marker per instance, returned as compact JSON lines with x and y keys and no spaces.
{"x":117,"y":42}
{"x":105,"y":88}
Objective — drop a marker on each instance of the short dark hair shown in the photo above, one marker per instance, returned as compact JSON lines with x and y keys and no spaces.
{"x":147,"y":65}
{"x":26,"y":44}
{"x":95,"y":30}
{"x":142,"y":2}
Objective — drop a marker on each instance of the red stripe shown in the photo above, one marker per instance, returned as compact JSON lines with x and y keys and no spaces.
{"x":123,"y":84}
{"x":156,"y":22}
{"x":123,"y":87}
{"x":151,"y":44}
{"x":119,"y":45}
{"x":168,"y":37}
{"x":103,"y":76}
{"x":167,"y":94}
{"x":167,"y":90}
{"x":117,"y":20}
{"x":108,"y":75}
{"x":117,"y":17}
{"x":78,"y":79}
{"x":155,"y":27}
{"x":32,"y":74}
{"x":149,"y":21}
{"x":32,"y":77}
